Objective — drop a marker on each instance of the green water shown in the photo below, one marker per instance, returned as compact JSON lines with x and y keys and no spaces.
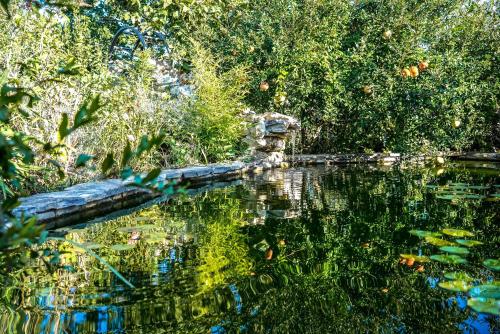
{"x":306,"y":250}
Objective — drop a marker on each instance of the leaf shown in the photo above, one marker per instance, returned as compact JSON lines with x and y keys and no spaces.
{"x":69,"y":68}
{"x":4,"y":114}
{"x":455,"y":250}
{"x":122,"y":247}
{"x":486,"y":291}
{"x":457,"y":233}
{"x":449,"y":259}
{"x":493,"y":264}
{"x":5,"y":6}
{"x":459,"y":286}
{"x":126,"y":156}
{"x":63,"y":131}
{"x":82,"y":160}
{"x":152,"y":175}
{"x":86,"y":113}
{"x":468,"y":243}
{"x":438,"y":242}
{"x":423,"y":234}
{"x":416,"y":258}
{"x":107,"y":163}
{"x":458,"y":276}
{"x":484,"y":305}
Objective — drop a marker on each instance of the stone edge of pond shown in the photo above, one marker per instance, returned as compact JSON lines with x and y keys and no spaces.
{"x":388,"y":158}
{"x":94,"y":199}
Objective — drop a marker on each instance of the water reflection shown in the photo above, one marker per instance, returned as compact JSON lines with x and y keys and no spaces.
{"x":306,"y":250}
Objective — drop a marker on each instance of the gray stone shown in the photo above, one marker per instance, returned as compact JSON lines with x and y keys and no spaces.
{"x":196,"y":172}
{"x":267,"y":137}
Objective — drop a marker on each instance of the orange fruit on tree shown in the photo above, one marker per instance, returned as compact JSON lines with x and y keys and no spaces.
{"x":405,"y":73}
{"x":413,"y":71}
{"x":387,"y":34}
{"x":269,"y":254}
{"x":456,"y":123}
{"x":264,"y":86}
{"x":423,"y":65}
{"x":367,"y":90}
{"x":410,"y":262}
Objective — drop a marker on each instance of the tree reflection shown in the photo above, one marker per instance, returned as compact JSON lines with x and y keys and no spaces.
{"x":204,"y":263}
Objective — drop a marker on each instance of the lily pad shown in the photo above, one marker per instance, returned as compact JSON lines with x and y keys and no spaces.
{"x":459,"y":286}
{"x":416,"y":258}
{"x":450,"y":259}
{"x":468,"y":243}
{"x":438,"y":242}
{"x":493,"y":264}
{"x":455,"y":250}
{"x":457,"y":233}
{"x":485,"y":305}
{"x":458,"y":276}
{"x":423,"y":234}
{"x":122,"y":247}
{"x":456,"y":196}
{"x":486,"y":291}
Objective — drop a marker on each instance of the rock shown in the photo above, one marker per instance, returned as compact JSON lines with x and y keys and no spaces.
{"x":267,"y":136}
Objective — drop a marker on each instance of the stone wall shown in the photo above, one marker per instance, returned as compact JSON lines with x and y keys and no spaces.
{"x":267,"y":136}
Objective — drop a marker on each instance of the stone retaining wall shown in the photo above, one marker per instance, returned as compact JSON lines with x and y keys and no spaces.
{"x":89,"y":200}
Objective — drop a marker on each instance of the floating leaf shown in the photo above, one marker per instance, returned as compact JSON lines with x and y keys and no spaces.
{"x":122,"y":247}
{"x":455,"y":250}
{"x":458,"y":276}
{"x":456,"y":196}
{"x":416,"y":258}
{"x":493,"y":264}
{"x":457,"y":233}
{"x":459,"y":286}
{"x":423,"y":234}
{"x":438,"y":242}
{"x":450,"y":259}
{"x":485,"y":305}
{"x":486,"y":291}
{"x":468,"y":243}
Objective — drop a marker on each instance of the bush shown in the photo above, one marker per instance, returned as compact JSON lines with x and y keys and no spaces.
{"x":35,"y":47}
{"x":213,"y":117}
{"x":320,"y":56}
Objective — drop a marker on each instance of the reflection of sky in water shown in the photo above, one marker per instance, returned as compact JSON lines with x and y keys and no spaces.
{"x":476,"y":323}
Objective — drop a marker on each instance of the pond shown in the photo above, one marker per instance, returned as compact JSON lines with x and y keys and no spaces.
{"x":338,"y":249}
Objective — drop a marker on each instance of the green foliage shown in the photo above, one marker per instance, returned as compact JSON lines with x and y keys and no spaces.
{"x":214,"y":117}
{"x":336,"y":68}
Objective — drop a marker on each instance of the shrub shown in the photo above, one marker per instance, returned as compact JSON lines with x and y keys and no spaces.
{"x":35,"y":47}
{"x":213,"y":117}
{"x":320,"y":56}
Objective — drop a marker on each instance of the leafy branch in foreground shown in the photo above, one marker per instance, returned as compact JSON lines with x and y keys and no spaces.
{"x":19,"y":234}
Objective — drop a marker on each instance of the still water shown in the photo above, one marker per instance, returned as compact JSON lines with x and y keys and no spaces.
{"x":303,"y":250}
